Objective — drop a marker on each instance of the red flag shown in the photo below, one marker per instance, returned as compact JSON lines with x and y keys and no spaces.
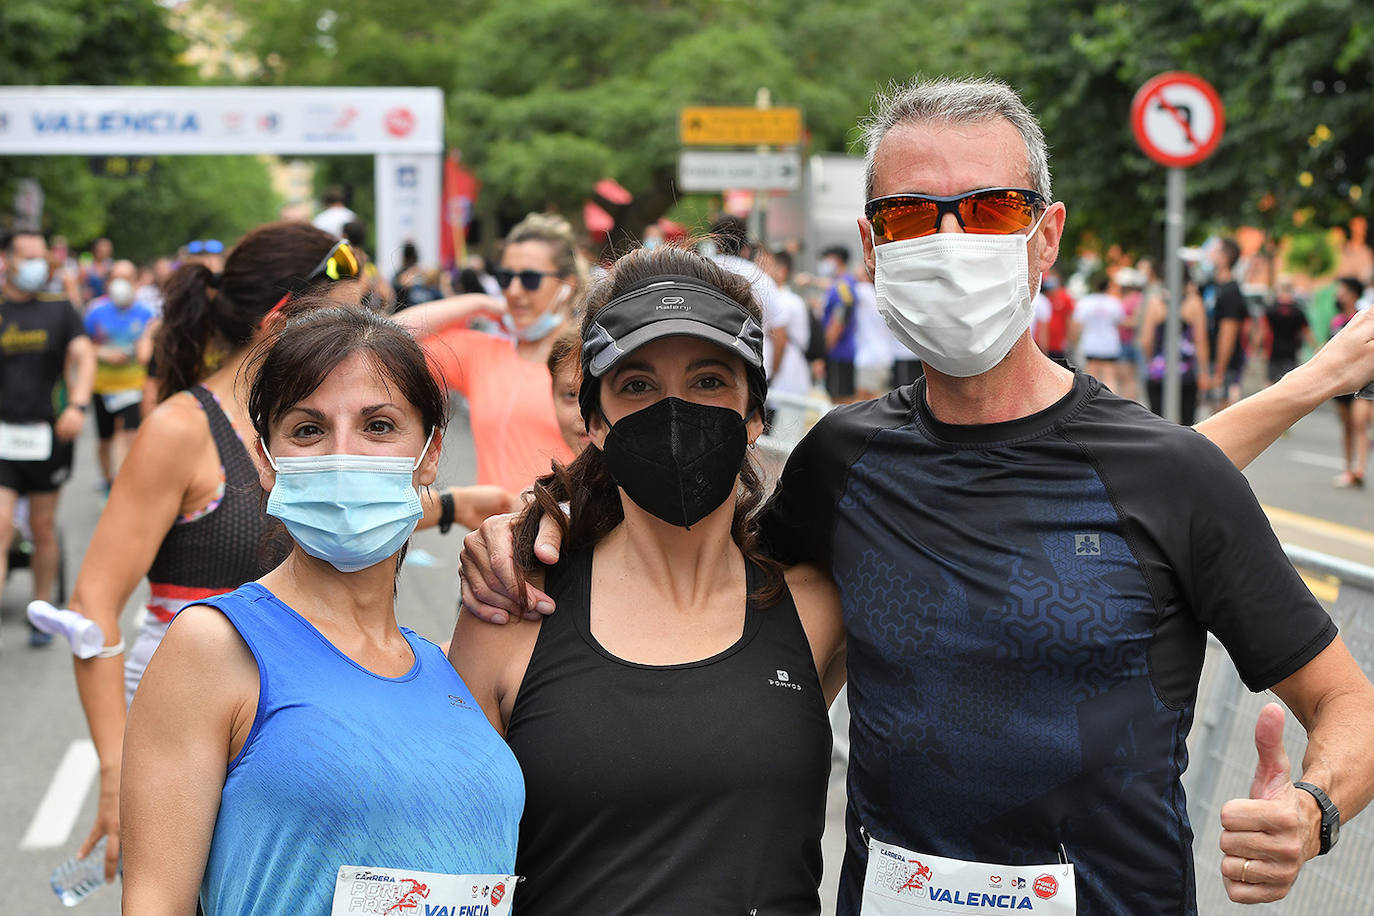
{"x":597,"y":220}
{"x":460,"y":194}
{"x":612,"y":192}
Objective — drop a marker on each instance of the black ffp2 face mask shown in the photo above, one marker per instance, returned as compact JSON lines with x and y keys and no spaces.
{"x":677,"y":460}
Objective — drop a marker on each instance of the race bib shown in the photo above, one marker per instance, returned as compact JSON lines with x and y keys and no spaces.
{"x":25,"y":441}
{"x":899,"y":881}
{"x":118,"y":400}
{"x":401,"y":892}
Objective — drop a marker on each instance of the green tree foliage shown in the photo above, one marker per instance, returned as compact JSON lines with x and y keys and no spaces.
{"x":545,"y":97}
{"x":1285,"y":69}
{"x":121,"y":42}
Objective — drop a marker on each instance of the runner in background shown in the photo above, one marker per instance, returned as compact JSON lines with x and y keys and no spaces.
{"x":1288,"y":331}
{"x":47,"y":366}
{"x":94,"y":272}
{"x":64,"y":275}
{"x":1096,"y":327}
{"x":790,"y":332}
{"x":1130,"y":285}
{"x":1052,"y":332}
{"x":115,"y":323}
{"x":873,"y":354}
{"x":505,"y":377}
{"x":335,"y":214}
{"x":838,"y":319}
{"x":1354,"y":412}
{"x":1194,"y":360}
{"x":1227,"y":324}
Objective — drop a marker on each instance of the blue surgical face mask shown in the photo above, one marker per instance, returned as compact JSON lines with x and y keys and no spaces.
{"x":542,"y":326}
{"x":352,"y":511}
{"x":31,"y":275}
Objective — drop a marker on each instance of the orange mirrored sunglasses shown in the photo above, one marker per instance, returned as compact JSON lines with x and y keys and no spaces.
{"x":988,"y":211}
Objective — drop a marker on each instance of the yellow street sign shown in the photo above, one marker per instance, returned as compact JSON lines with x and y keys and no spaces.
{"x":725,"y":126}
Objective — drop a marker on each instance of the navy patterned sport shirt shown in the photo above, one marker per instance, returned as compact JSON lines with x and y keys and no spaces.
{"x":1027,"y":606}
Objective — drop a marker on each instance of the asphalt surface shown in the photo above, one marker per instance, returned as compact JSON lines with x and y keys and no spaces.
{"x":43,"y":724}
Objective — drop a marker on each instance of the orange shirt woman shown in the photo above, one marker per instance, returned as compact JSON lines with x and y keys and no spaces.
{"x":505,"y":377}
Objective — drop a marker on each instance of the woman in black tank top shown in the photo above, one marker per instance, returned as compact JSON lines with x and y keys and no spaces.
{"x":670,"y":718}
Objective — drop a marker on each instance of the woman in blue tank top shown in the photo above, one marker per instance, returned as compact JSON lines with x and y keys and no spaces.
{"x":670,"y":719}
{"x":291,"y":748}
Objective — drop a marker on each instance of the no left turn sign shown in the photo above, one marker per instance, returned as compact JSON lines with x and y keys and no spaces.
{"x":1177,"y":119}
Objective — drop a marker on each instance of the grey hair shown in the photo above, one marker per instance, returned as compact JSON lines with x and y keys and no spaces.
{"x":955,"y":101}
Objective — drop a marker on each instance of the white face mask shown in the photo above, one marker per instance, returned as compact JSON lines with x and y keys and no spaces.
{"x":121,"y":292}
{"x":958,"y":300}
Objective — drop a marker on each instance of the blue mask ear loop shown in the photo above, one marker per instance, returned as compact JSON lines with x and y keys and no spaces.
{"x":413,"y":468}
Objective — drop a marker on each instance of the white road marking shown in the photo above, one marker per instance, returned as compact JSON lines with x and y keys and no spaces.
{"x":1317,"y":459}
{"x":61,"y":805}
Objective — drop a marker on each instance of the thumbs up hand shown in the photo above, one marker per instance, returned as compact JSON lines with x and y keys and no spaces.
{"x":1267,"y":837}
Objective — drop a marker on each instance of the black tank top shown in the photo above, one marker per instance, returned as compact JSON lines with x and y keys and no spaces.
{"x":689,"y":789}
{"x":225,"y":547}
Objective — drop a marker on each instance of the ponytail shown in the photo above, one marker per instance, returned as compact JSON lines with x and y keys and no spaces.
{"x":207,"y":313}
{"x":188,"y":325}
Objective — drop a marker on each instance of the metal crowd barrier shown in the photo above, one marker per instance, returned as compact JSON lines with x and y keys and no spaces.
{"x":1222,"y":744}
{"x":1222,"y":752}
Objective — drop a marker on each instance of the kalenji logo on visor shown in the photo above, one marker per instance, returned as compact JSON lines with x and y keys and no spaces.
{"x":673,"y":304}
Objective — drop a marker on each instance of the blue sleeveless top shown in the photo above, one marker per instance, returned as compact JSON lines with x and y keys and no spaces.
{"x":345,"y":767}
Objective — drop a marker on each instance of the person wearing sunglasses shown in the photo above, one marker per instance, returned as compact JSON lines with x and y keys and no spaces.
{"x":504,"y":376}
{"x":186,"y":508}
{"x":209,"y":252}
{"x":1029,"y":565}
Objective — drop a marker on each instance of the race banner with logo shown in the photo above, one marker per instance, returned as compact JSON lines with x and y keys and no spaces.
{"x":184,"y":120}
{"x":379,"y":891}
{"x":900,"y":882}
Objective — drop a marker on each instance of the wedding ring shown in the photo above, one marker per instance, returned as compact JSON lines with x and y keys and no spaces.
{"x":1244,"y":870}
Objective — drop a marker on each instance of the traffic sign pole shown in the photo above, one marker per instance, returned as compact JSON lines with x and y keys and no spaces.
{"x":1173,"y":272}
{"x":1178,"y":120}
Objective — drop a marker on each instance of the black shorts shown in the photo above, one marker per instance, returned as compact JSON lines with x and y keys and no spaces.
{"x":839,"y":379}
{"x":105,"y":421}
{"x":25,"y":477}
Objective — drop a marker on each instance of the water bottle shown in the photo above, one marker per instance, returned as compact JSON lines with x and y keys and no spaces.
{"x":75,"y":879}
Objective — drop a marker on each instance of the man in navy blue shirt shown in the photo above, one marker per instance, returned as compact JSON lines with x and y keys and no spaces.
{"x":1027,"y":590}
{"x":1029,"y":565}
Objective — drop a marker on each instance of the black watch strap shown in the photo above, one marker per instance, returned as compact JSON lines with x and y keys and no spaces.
{"x":1331,"y":816}
{"x":446,"y":511}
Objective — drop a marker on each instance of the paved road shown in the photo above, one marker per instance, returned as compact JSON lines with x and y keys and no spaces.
{"x":42,"y":719}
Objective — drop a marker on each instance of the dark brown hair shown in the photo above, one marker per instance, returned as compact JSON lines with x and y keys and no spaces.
{"x":315,"y":339}
{"x":204,"y":310}
{"x":586,"y":485}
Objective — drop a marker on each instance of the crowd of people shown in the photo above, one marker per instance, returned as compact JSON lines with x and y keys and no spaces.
{"x":632,"y":711}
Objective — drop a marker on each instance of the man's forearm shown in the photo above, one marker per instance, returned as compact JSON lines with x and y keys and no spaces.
{"x":1248,"y":427}
{"x":1340,"y":744}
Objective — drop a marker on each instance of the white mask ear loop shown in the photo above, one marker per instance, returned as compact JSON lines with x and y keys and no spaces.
{"x":424,"y":451}
{"x":268,"y":455}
